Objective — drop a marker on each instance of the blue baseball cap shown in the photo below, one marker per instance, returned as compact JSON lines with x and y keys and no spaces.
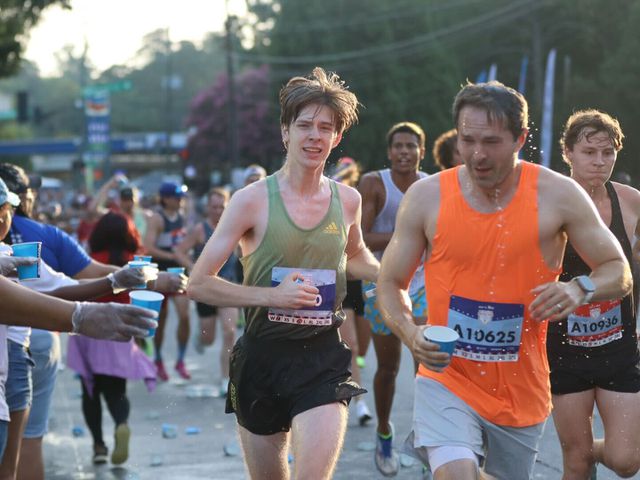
{"x":6,"y":196}
{"x":172,"y":189}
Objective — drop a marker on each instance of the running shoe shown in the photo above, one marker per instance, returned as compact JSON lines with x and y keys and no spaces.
{"x":387,"y":459}
{"x":100,"y":454}
{"x":121,"y":448}
{"x":182,"y":370}
{"x":360,"y":361}
{"x":363,"y":413}
{"x":161,"y":371}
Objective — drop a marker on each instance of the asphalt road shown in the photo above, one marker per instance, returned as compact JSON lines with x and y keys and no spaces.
{"x":202,"y":455}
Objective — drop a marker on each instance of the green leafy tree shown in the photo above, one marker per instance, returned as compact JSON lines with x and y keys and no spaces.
{"x":16,"y":19}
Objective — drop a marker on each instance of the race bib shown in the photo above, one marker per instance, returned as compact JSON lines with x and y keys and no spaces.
{"x":595,"y":324}
{"x":319,"y":315}
{"x":489,"y":332}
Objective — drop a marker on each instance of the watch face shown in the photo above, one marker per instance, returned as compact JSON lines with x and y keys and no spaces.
{"x":586,"y":284}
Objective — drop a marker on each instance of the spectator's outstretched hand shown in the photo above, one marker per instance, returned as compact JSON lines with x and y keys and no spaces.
{"x":126,"y":278}
{"x":9,"y":264}
{"x":170,"y":283}
{"x":112,"y":321}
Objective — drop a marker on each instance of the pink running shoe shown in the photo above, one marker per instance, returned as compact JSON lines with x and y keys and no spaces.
{"x":182,"y":370}
{"x":161,"y":371}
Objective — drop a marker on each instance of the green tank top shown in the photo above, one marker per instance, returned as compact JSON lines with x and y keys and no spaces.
{"x":318,"y":253}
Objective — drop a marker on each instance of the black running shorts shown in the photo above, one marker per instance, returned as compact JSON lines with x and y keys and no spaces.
{"x":206,"y":310}
{"x":273,"y":381}
{"x":353,"y":299}
{"x":575,"y":376}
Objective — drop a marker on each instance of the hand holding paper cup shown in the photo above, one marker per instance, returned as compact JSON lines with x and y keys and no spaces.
{"x":147,"y":299}
{"x":28,"y":249}
{"x":445,"y":337}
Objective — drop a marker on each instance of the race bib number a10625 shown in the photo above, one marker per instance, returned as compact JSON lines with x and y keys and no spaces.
{"x":489,"y":331}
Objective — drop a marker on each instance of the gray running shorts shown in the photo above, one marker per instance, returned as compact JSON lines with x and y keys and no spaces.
{"x":442,"y":419}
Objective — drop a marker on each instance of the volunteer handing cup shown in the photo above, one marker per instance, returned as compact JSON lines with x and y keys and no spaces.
{"x":150,"y":271}
{"x":444,"y":336}
{"x":147,"y":299}
{"x":28,"y":249}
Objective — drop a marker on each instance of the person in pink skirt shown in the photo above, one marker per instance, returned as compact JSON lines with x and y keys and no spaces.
{"x":105,"y":366}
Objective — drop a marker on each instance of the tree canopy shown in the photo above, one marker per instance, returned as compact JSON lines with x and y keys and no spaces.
{"x":17,"y":17}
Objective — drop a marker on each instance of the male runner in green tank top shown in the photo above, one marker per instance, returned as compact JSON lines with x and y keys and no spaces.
{"x":300,"y":234}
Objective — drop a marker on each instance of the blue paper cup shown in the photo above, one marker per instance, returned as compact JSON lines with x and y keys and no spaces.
{"x":444,"y":336}
{"x":147,"y":299}
{"x":142,"y":258}
{"x":176,"y":270}
{"x":28,"y":249}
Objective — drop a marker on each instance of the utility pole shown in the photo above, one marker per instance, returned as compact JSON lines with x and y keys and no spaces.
{"x":233,"y":159}
{"x":168,"y":81}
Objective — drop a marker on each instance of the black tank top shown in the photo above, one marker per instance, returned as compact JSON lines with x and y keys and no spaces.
{"x":171,"y":235}
{"x":622,"y":350}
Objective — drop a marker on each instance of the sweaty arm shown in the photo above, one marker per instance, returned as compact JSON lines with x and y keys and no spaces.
{"x":595,"y":244}
{"x":206,"y":286}
{"x":399,"y":263}
{"x":372,"y":190}
{"x":361,"y":264}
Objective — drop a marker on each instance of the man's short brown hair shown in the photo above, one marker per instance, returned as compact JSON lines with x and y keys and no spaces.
{"x":407,"y":127}
{"x":586,"y":123}
{"x":322,"y":89}
{"x":443,"y":149}
{"x":502,"y":104}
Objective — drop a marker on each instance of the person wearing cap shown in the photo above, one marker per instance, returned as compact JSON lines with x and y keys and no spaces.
{"x":165,"y":230}
{"x":27,"y":308}
{"x":253,"y":173}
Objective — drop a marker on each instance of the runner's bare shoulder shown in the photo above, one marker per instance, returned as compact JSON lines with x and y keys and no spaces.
{"x":628,"y":195}
{"x":349,"y":196}
{"x":250,"y":200}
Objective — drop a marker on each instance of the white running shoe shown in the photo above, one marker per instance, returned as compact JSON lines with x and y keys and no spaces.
{"x":363,"y":413}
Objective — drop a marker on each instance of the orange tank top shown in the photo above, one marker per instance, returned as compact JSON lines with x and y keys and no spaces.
{"x":478,"y":281}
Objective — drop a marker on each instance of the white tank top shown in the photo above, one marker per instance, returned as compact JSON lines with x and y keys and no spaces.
{"x":385,"y":221}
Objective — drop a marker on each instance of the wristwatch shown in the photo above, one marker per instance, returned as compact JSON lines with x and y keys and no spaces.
{"x":587,"y":286}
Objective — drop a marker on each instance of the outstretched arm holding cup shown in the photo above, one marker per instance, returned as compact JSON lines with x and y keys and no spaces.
{"x":105,"y":321}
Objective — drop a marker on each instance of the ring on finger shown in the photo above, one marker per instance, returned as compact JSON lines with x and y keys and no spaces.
{"x":559,"y":307}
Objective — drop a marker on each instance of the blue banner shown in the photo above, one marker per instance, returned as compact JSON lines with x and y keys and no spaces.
{"x":546,"y":134}
{"x":522,"y":81}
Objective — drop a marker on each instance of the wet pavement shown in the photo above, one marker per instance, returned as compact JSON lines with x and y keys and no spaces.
{"x":205,"y":444}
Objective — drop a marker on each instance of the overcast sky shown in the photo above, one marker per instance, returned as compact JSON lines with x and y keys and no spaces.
{"x":114,"y":28}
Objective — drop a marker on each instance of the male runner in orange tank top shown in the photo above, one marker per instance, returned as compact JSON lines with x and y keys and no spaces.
{"x":495,"y":230}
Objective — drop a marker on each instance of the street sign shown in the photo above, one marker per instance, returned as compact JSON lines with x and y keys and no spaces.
{"x":119,"y":86}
